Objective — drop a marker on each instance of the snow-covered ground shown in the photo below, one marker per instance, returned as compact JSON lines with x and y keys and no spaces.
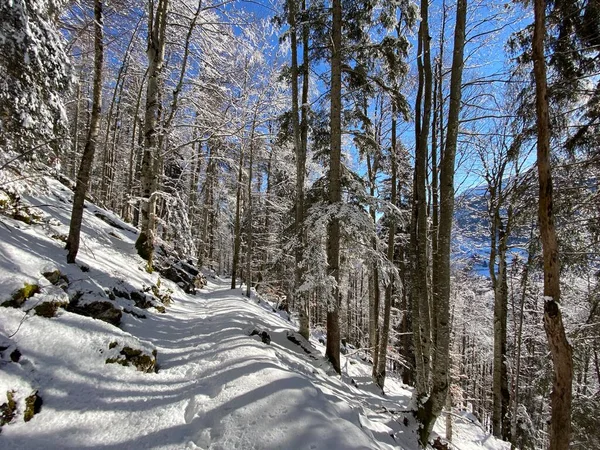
{"x":216,"y":386}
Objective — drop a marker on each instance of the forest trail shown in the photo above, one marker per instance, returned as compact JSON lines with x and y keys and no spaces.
{"x":217,"y":388}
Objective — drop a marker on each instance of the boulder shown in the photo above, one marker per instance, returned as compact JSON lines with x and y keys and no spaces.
{"x":265,"y":337}
{"x":184,"y":274}
{"x":99,"y":309}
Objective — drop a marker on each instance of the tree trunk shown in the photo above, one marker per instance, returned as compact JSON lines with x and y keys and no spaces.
{"x":560,"y":349}
{"x":501,"y":394}
{"x":128,"y":210}
{"x":418,"y":238}
{"x":157,"y":22}
{"x":250,"y":212}
{"x":300,"y":299}
{"x":335,"y":192}
{"x":385,"y":328}
{"x":304,"y":307}
{"x":83,"y":176}
{"x":430,"y":410}
{"x":72,"y":162}
{"x":237,"y":238}
{"x":374,"y":289}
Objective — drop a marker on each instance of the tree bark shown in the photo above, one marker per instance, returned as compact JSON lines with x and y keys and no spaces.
{"x":335,"y":193}
{"x":83,"y":176}
{"x":430,"y":410}
{"x":157,"y":23}
{"x":389,"y":290}
{"x":560,"y":349}
{"x":300,"y":153}
{"x":421,"y":319}
{"x":501,"y":394}
{"x":237,"y":239}
{"x":374,"y":289}
{"x":250,"y":212}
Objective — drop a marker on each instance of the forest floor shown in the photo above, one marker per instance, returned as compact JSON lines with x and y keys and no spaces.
{"x":216,"y":386}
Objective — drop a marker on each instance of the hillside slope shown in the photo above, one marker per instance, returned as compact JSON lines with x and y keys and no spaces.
{"x":204,"y":382}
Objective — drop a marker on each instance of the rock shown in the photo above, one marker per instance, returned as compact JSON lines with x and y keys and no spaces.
{"x":184,"y":274}
{"x":8,"y":409}
{"x":299,"y":340}
{"x":264,"y":336}
{"x":189,"y":268}
{"x":101,"y":310}
{"x":52,"y":276}
{"x":143,"y":300}
{"x":33,"y":405}
{"x":9,"y":351}
{"x":134,"y":357}
{"x":56,"y":278}
{"x":15,"y":355}
{"x":439,"y":445}
{"x":21,"y":295}
{"x":123,"y":294}
{"x":48,"y":309}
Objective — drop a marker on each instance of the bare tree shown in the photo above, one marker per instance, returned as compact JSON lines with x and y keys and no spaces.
{"x":335,"y":192}
{"x":560,"y":349}
{"x":157,"y":24}
{"x":83,"y":176}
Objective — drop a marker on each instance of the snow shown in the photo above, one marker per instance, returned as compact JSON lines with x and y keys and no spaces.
{"x":216,"y":388}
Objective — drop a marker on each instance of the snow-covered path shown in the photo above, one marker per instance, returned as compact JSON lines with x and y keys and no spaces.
{"x":217,"y":388}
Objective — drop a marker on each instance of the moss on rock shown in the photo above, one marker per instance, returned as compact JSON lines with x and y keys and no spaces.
{"x":21,"y":295}
{"x":8,"y":409}
{"x":47,"y":309}
{"x":33,"y":405}
{"x":135,"y":357}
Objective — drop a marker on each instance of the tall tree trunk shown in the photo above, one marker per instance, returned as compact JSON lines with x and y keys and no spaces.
{"x":335,"y":193}
{"x":374,"y":289}
{"x":83,"y":176}
{"x":304,"y":307}
{"x":418,"y":236}
{"x":72,"y":162}
{"x":519,"y":338}
{"x":157,"y":23}
{"x":300,"y":299}
{"x":430,"y":410}
{"x":500,"y":392}
{"x":560,"y":349}
{"x":237,"y":238}
{"x":133,"y":154}
{"x":250,"y":212}
{"x":385,"y":327}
